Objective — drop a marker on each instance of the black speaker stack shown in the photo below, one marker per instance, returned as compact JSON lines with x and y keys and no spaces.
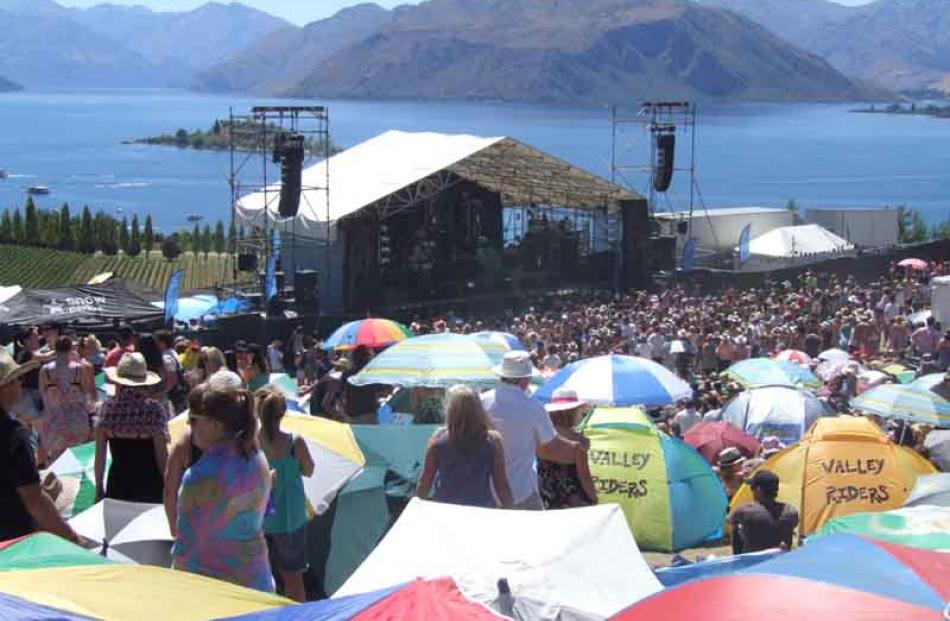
{"x":289,"y":153}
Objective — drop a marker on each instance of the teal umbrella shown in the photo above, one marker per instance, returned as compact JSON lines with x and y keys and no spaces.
{"x":434,"y":360}
{"x":756,"y":372}
{"x":905,"y":402}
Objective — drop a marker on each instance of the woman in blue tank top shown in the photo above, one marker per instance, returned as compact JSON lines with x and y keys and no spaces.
{"x":285,"y":523}
{"x":465,"y":459}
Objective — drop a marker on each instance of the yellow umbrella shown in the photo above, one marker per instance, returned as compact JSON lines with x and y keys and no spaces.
{"x":842,"y":466}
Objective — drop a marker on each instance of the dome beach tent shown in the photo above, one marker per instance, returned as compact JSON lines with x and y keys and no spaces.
{"x":775,"y":411}
{"x":582,"y":563}
{"x":842,"y":466}
{"x":670,"y":496}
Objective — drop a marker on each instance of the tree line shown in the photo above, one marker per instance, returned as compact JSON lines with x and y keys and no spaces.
{"x":90,"y":232}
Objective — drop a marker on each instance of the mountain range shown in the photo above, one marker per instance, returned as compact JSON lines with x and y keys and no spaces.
{"x":47,"y":45}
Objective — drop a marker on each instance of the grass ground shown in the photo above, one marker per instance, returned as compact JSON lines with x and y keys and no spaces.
{"x":37,"y":268}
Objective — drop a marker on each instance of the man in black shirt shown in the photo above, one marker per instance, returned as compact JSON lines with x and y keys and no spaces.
{"x":26,"y":508}
{"x":764,"y":523}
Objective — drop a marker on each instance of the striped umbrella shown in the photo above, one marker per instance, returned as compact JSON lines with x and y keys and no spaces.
{"x":925,"y":526}
{"x":755,"y":372}
{"x":793,"y":355}
{"x":78,"y":462}
{"x":905,"y":402}
{"x":497,"y":340}
{"x":375,"y":333}
{"x":927,"y":382}
{"x":434,"y":360}
{"x":618,"y":381}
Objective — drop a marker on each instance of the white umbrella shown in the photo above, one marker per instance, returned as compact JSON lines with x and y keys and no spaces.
{"x":834,"y":354}
{"x":124,"y":530}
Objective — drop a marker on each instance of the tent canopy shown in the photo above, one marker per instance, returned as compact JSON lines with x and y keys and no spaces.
{"x":90,"y":306}
{"x":581,"y":561}
{"x":794,"y":241}
{"x":387,"y":169}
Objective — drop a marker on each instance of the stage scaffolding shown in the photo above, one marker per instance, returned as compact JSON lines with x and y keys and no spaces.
{"x":253,"y":138}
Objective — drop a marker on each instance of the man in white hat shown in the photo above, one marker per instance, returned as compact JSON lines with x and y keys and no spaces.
{"x":25,"y":508}
{"x":526,"y":430}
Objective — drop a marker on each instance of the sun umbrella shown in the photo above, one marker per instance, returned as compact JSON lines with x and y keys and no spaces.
{"x":901,"y":373}
{"x":937,"y":444}
{"x":914,"y":264}
{"x":373,"y":332}
{"x":834,"y":354}
{"x":927,"y":382}
{"x":414,"y":601}
{"x":336,"y":455}
{"x":120,"y":591}
{"x":711,"y":437}
{"x":793,"y":355}
{"x":436,"y":360}
{"x":78,"y":462}
{"x":618,"y":381}
{"x":503,"y":340}
{"x":836,"y":577}
{"x":905,"y":402}
{"x":933,"y":489}
{"x":287,"y":385}
{"x":138,"y":531}
{"x":670,"y":496}
{"x":842,"y":466}
{"x":918,"y":527}
{"x":775,"y":411}
{"x":44,"y":551}
{"x":755,"y":372}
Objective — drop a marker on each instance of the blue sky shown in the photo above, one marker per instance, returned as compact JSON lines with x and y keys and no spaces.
{"x":297,"y":11}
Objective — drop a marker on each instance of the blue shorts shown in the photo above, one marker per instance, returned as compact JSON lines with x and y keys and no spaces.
{"x":288,"y":551}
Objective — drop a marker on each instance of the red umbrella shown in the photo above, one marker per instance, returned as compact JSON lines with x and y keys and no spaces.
{"x":914,"y":264}
{"x":710,"y":438}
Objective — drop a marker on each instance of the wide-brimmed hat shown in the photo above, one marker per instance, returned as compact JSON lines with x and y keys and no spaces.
{"x":730,"y":456}
{"x":564,"y":399}
{"x":62,"y":491}
{"x":132,"y":371}
{"x":515,"y":365}
{"x":10,"y":370}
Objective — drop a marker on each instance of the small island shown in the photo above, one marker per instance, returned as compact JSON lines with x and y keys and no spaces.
{"x":245,"y":136}
{"x":911,"y":109}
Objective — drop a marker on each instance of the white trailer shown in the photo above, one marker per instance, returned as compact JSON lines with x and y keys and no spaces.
{"x":866,"y":228}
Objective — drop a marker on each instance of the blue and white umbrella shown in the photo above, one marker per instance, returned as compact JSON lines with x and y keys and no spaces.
{"x":618,"y":381}
{"x":503,"y":341}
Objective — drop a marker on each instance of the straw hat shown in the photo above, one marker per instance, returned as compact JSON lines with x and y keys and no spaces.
{"x":132,"y":371}
{"x":515,"y":365}
{"x":62,"y":491}
{"x":729,"y":457}
{"x":564,"y":399}
{"x":10,"y":370}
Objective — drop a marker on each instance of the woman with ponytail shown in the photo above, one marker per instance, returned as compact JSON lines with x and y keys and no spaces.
{"x":223,"y":496}
{"x":285,"y":526}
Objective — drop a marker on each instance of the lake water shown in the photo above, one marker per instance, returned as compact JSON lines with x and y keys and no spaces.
{"x":747,"y":154}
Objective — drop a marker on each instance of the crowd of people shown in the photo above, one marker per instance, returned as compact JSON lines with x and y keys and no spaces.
{"x":231,"y":484}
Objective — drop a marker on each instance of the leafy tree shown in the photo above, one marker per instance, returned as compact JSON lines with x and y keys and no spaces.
{"x":6,"y":227}
{"x":181,"y":138}
{"x":940,"y":231}
{"x":218,"y":241}
{"x":148,"y":235}
{"x":171,"y":249}
{"x":32,"y":230}
{"x":207,"y":241}
{"x":232,"y":237}
{"x":135,"y":238}
{"x":65,"y":241}
{"x":196,"y":240}
{"x":19,"y":233}
{"x":910,"y":225}
{"x":216,"y":128}
{"x":87,"y":233}
{"x":124,"y":236}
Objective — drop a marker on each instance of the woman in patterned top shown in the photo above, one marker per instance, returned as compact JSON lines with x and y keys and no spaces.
{"x":134,"y":427}
{"x":223,"y":496}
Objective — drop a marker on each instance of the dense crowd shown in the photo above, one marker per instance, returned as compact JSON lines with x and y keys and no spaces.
{"x":231,"y":483}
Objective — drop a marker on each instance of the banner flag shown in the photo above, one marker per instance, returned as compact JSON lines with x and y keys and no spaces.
{"x":172,"y":293}
{"x":744,"y":243}
{"x":270,"y":278}
{"x":689,"y":255}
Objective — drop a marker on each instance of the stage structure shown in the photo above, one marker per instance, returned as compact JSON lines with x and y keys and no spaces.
{"x":269,"y":148}
{"x":422,"y":217}
{"x":671,"y":127}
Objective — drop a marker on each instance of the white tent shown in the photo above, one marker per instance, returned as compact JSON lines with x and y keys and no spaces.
{"x":570,"y":564}
{"x":362,"y":175}
{"x":797,"y":241}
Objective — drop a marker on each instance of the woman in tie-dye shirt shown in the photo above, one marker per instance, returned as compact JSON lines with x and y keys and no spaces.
{"x":223,"y":496}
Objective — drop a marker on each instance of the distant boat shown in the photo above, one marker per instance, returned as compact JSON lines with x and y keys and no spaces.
{"x":38,"y":189}
{"x":194,"y":217}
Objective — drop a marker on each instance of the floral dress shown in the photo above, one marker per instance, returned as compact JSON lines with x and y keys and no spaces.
{"x":221,"y":506}
{"x":65,"y":422}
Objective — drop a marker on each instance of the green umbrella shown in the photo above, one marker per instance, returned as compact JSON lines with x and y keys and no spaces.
{"x":78,"y":463}
{"x":756,"y":372}
{"x":925,"y":526}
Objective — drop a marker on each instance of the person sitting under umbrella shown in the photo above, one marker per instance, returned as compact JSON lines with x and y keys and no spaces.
{"x":764,"y":523}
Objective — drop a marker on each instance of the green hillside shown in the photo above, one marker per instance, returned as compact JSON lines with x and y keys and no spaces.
{"x":35,"y":268}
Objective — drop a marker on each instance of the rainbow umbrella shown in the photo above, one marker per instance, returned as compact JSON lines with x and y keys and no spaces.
{"x":373,"y":332}
{"x":670,"y":496}
{"x":905,"y":402}
{"x":925,"y":526}
{"x":417,"y":600}
{"x":835,"y":577}
{"x":44,"y":551}
{"x":755,"y":372}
